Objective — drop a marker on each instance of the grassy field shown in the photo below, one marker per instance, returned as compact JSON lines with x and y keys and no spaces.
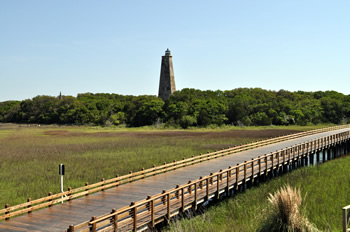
{"x":29,"y":155}
{"x":325,"y":189}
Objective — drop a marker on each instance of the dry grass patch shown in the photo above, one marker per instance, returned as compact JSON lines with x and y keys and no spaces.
{"x":285,"y":214}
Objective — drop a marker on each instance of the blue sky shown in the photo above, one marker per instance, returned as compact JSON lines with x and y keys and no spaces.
{"x":116,"y":46}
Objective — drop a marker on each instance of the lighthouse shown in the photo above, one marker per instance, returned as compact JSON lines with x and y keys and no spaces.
{"x":167,"y":80}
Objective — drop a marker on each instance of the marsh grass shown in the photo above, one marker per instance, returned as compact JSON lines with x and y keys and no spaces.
{"x":29,"y":155}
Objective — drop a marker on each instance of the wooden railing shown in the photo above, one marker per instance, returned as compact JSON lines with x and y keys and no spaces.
{"x":163,"y":206}
{"x":70,"y":194}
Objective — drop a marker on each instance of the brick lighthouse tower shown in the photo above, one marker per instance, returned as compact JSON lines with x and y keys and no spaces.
{"x":167,"y":81}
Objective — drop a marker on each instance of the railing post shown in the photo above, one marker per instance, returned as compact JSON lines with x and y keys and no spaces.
{"x":345,"y":219}
{"x":70,"y":193}
{"x":177,"y":194}
{"x":195,"y":196}
{"x":228,"y":177}
{"x":168,"y":206}
{"x":218,"y":186}
{"x":289,"y":151}
{"x":134,"y":212}
{"x":87,"y":188}
{"x":50,"y":194}
{"x":245,"y":171}
{"x":272,"y":162}
{"x":183,"y":199}
{"x":30,"y":205}
{"x":93,"y":226}
{"x":71,"y":228}
{"x":201,"y":182}
{"x":207,"y":189}
{"x":117,"y":181}
{"x":115,"y":220}
{"x":7,"y":206}
{"x":103,"y":184}
{"x":130,"y":177}
{"x":190,"y":187}
{"x":152,"y":212}
{"x":252,"y":178}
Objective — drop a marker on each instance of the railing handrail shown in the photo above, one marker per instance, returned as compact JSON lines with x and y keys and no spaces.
{"x":71,"y":194}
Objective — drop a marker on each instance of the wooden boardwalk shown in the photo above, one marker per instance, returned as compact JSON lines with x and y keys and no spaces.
{"x":59,"y":217}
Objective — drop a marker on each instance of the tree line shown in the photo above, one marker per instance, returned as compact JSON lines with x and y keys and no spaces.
{"x":185,"y":108}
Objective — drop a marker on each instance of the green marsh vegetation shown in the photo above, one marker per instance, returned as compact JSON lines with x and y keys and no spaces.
{"x":325,"y":190}
{"x":29,"y":154}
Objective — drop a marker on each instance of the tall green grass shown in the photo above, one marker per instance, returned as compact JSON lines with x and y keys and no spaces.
{"x":29,"y":155}
{"x":326,"y":187}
